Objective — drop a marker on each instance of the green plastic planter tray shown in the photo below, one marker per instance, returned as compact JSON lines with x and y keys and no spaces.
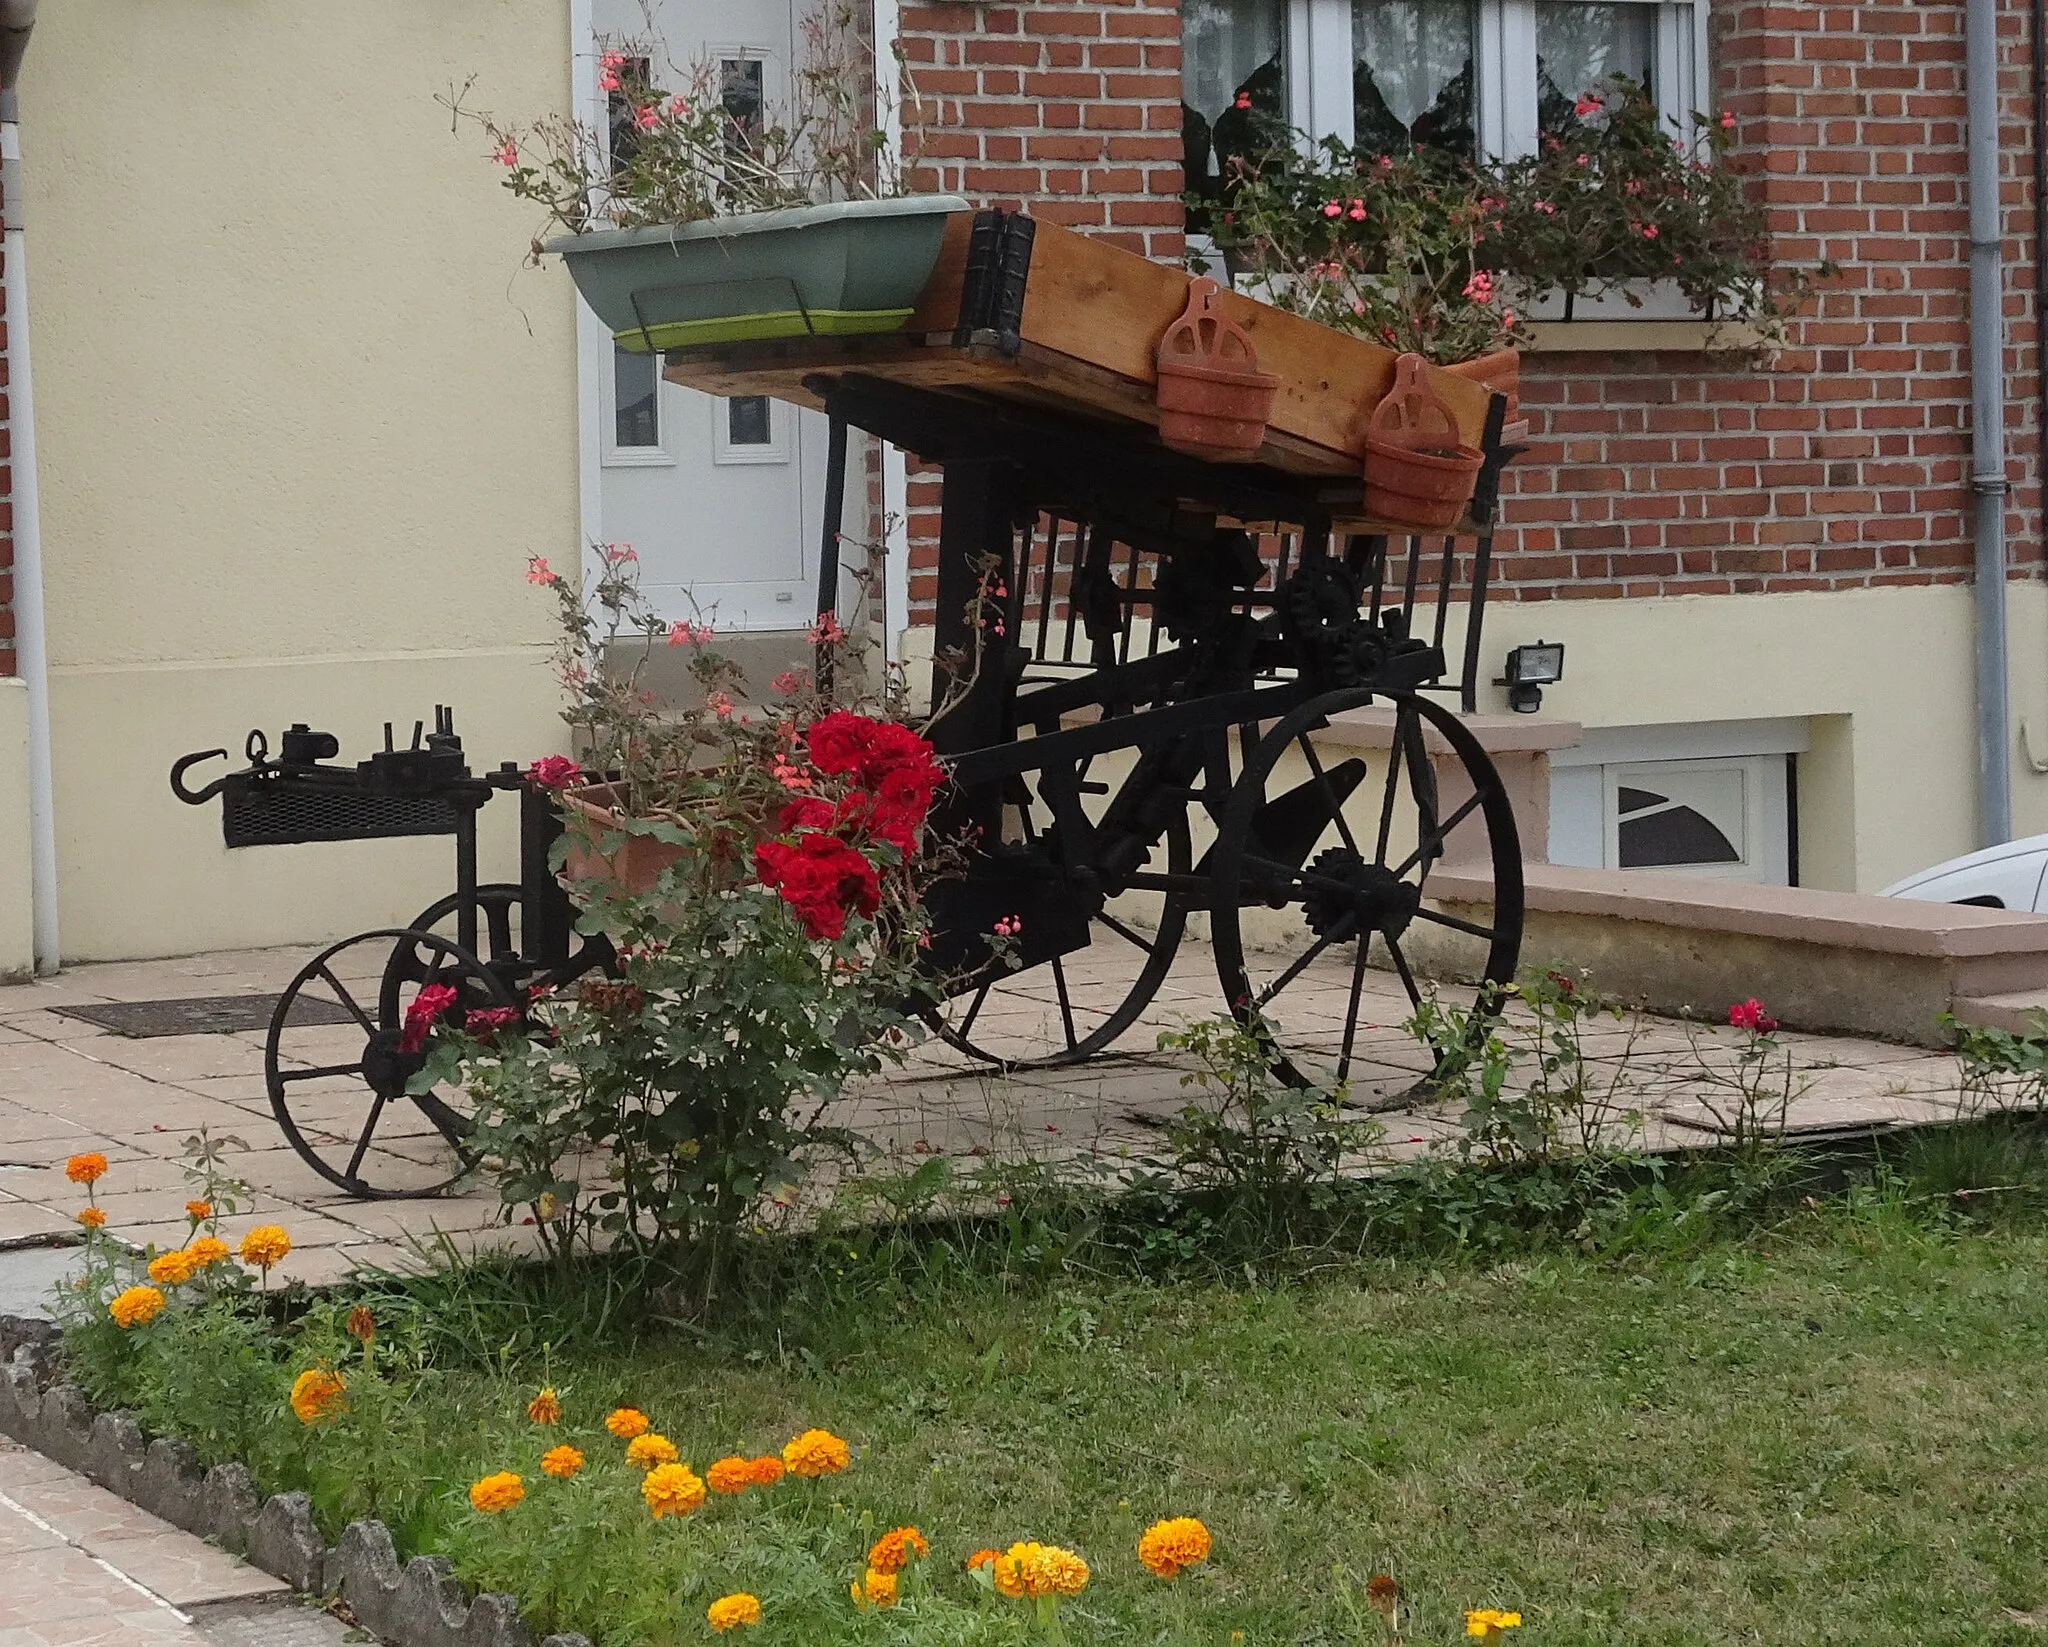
{"x":845,"y":267}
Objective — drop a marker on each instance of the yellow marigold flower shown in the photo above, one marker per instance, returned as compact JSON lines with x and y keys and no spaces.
{"x":626,"y":1422}
{"x":983,"y":1558}
{"x":88,"y":1168}
{"x":672,"y":1489}
{"x":319,"y":1395}
{"x":561,"y":1462}
{"x":264,"y":1246}
{"x":136,"y":1306}
{"x":874,"y":1589}
{"x":650,"y":1449}
{"x":896,"y":1549}
{"x":730,"y":1475}
{"x":1040,"y":1570}
{"x":545,"y":1408}
{"x":93,"y":1218}
{"x":172,"y":1269}
{"x":208,"y":1250}
{"x":497,"y":1492}
{"x":1487,"y":1623}
{"x":730,"y":1612}
{"x":199,"y":1211}
{"x":816,"y":1453}
{"x":1168,"y":1546}
{"x":767,"y":1470}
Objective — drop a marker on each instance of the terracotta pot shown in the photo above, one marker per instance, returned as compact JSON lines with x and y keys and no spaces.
{"x":1417,"y":471}
{"x":591,"y":813}
{"x":1213,"y":399}
{"x":1500,"y":371}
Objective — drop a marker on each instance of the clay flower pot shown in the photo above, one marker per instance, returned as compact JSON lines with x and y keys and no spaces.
{"x":592,"y":813}
{"x":1500,"y":372}
{"x":1417,"y":471}
{"x":1213,"y":399}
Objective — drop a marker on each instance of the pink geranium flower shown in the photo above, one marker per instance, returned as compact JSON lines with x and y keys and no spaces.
{"x":506,"y":153}
{"x":538,"y":571}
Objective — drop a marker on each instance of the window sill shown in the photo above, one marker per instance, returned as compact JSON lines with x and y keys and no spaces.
{"x":1696,"y":336}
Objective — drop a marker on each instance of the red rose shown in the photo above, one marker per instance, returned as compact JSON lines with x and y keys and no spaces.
{"x":554,"y":772}
{"x":822,"y":879}
{"x":806,"y":812}
{"x":1750,"y":1015}
{"x":425,"y":1011}
{"x":487,"y":1021}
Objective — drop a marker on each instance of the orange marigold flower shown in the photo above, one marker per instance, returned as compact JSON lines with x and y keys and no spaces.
{"x":545,"y":1408}
{"x":816,"y":1453}
{"x":1168,"y":1546}
{"x":983,"y":1558}
{"x":93,"y":1218}
{"x":730,"y":1475}
{"x":626,"y":1422}
{"x":896,"y":1549}
{"x":730,"y":1612}
{"x":174,"y":1268}
{"x":208,"y":1250}
{"x":88,"y":1168}
{"x":1487,"y":1623}
{"x":874,"y":1589}
{"x":199,"y":1211}
{"x":651,"y":1449}
{"x":767,"y":1470}
{"x":264,"y":1246}
{"x":136,"y":1306}
{"x":561,"y":1462}
{"x":319,"y":1395}
{"x":672,"y":1489}
{"x":497,"y":1492}
{"x":1030,"y":1569}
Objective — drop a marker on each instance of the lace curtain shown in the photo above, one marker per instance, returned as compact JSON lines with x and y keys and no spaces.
{"x":1412,"y":81}
{"x":1582,"y":48}
{"x":1229,"y":47}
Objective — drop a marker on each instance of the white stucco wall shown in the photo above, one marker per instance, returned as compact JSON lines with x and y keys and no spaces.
{"x":302,"y":418}
{"x":17,"y":938}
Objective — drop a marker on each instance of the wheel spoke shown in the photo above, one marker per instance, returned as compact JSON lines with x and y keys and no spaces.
{"x":315,"y":1074}
{"x":974,"y":1010}
{"x":1393,"y":788}
{"x":1433,"y":844}
{"x":498,"y":916}
{"x":1407,"y":977}
{"x":1351,"y":1013}
{"x":362,"y":1148}
{"x":1123,"y":931}
{"x":1456,"y":924}
{"x":1315,"y":765}
{"x":347,"y":1000}
{"x":1336,"y":935}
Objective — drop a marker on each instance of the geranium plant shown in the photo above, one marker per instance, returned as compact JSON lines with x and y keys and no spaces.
{"x":1439,"y":254}
{"x":769,"y":959}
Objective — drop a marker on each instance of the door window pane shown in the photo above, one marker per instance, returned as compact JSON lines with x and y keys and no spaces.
{"x":1584,"y":48}
{"x":1412,"y":83}
{"x":1691,"y":818}
{"x":1231,"y":50}
{"x":743,"y":89}
{"x":747,"y":421}
{"x":636,"y":387}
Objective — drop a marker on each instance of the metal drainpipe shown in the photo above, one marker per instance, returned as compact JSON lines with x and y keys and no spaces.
{"x":1987,"y":424}
{"x":17,"y":18}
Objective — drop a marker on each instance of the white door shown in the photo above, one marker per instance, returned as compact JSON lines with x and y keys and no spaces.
{"x":723,"y":499}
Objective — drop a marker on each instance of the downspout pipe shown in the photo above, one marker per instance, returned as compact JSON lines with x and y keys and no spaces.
{"x":1987,"y":423}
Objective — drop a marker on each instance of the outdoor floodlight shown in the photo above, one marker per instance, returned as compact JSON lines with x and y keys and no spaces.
{"x":1529,"y":670}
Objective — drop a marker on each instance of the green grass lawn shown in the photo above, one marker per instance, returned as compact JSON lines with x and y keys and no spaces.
{"x":1838,"y":1433}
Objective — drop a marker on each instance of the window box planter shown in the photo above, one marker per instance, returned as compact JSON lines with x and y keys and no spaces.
{"x":847,"y":267}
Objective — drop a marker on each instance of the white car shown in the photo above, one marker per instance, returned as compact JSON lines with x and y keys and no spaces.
{"x":2011,"y":876}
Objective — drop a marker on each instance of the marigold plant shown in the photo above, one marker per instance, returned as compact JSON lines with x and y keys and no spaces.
{"x":1169,"y":1546}
{"x":208,"y":1250}
{"x":497,"y":1492}
{"x":767,"y":1470}
{"x":816,"y":1453}
{"x":672,"y":1489}
{"x":875,"y":1589}
{"x":93,"y":1218}
{"x":173,"y":1268}
{"x":627,"y":1422}
{"x":561,"y":1462}
{"x":730,"y":1475}
{"x":896,"y":1549}
{"x":545,"y":1408}
{"x":136,"y":1306}
{"x":1035,"y":1570}
{"x":199,"y":1211}
{"x":88,"y":1168}
{"x":319,"y":1395}
{"x":649,"y":1450}
{"x":730,"y":1612}
{"x":265,"y":1246}
{"x":1488,"y":1623}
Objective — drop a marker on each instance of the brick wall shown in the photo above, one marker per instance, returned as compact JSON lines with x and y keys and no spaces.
{"x":1842,"y":462}
{"x":1845,"y":461}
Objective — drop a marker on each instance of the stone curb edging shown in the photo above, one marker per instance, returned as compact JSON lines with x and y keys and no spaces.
{"x":418,"y":1605}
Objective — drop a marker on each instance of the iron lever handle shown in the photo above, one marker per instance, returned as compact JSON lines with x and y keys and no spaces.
{"x":198,"y":797}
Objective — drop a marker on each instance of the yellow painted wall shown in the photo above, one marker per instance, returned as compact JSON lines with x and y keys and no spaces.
{"x":302,"y":418}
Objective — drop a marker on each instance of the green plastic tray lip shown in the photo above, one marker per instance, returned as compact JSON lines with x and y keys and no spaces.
{"x":744,"y":224}
{"x":756,"y":328}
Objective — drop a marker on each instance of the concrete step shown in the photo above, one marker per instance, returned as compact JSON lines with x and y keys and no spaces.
{"x":2022,"y":1012}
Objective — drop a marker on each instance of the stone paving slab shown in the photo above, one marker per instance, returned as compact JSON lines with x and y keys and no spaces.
{"x":66,"y":1085}
{"x":83,"y":1567}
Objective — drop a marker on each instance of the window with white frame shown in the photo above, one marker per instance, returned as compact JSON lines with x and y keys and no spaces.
{"x":1485,"y":77}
